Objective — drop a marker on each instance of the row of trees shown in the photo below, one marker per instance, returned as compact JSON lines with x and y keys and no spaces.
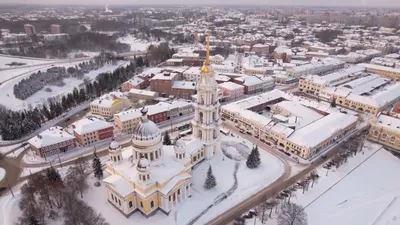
{"x":294,"y":214}
{"x":15,"y":124}
{"x":347,"y":149}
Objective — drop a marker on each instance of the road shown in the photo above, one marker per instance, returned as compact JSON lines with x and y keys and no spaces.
{"x":272,"y":190}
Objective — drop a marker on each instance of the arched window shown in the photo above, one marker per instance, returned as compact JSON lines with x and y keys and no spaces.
{"x":201,"y":117}
{"x":384,"y":135}
{"x":200,"y":134}
{"x":141,"y":204}
{"x":392,"y":139}
{"x":152,"y":204}
{"x":119,"y":158}
{"x":214,"y":134}
{"x":130,"y":204}
{"x":376,"y":133}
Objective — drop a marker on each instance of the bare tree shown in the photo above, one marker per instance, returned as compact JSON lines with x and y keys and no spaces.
{"x":82,"y":165}
{"x":292,"y":214}
{"x":76,"y":181}
{"x":314,"y":177}
{"x":270,"y":205}
{"x":261,"y":210}
{"x":78,"y":213}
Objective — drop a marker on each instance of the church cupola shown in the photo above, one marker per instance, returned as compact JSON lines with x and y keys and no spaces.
{"x":115,"y":151}
{"x":144,"y":169}
{"x":180,"y":149}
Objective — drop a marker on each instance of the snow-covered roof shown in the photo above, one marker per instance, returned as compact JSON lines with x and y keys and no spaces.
{"x":300,"y":114}
{"x":106,"y":101}
{"x":389,"y":122}
{"x":230,"y":86}
{"x":88,"y":125}
{"x":160,"y":174}
{"x":145,"y":130}
{"x":377,"y":67}
{"x":143,"y":92}
{"x":121,"y":185}
{"x":315,"y":133}
{"x":51,"y":136}
{"x":184,"y":85}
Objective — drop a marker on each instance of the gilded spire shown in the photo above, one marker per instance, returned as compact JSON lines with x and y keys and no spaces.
{"x":205,"y":68}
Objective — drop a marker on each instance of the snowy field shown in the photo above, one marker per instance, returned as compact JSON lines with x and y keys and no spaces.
{"x":2,"y":174}
{"x":4,"y":60}
{"x":364,"y":191}
{"x":8,"y":74}
{"x":8,"y":99}
{"x":136,"y":44}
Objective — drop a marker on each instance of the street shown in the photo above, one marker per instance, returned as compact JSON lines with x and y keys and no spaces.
{"x":276,"y":187}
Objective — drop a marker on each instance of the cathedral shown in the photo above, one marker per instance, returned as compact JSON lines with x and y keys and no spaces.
{"x":147,"y":176}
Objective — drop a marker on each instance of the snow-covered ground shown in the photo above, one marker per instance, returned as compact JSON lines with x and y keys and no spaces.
{"x":4,"y":60}
{"x":8,"y":74}
{"x":136,"y":44}
{"x":8,"y":99}
{"x":364,"y":191}
{"x":2,"y":174}
{"x":77,"y":54}
{"x":249,"y":182}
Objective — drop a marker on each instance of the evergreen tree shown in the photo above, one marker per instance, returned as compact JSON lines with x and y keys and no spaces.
{"x":210,"y":180}
{"x":33,"y":221}
{"x":53,"y":175}
{"x":139,"y":61}
{"x":96,"y":164}
{"x":254,"y":160}
{"x":167,"y":139}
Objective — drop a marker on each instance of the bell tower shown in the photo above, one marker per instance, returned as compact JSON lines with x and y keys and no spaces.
{"x":206,"y":119}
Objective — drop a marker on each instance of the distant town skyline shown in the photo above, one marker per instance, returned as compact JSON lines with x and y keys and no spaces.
{"x":381,"y":3}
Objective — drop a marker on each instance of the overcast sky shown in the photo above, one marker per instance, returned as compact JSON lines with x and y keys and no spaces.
{"x":382,"y":3}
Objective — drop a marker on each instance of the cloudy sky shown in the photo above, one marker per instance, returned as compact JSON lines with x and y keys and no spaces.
{"x":247,"y":2}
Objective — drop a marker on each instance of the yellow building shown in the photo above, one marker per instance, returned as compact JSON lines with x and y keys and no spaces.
{"x":147,"y":176}
{"x":385,"y":130}
{"x":109,"y":104}
{"x":384,"y":71}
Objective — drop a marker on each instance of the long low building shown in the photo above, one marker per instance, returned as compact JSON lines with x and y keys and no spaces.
{"x":160,"y":112}
{"x":294,"y":124}
{"x":52,"y":141}
{"x":388,"y":72}
{"x":373,"y":104}
{"x":313,"y":84}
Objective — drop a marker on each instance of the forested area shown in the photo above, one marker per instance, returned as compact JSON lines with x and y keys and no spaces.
{"x":81,"y":41}
{"x":15,"y":124}
{"x":55,"y":75}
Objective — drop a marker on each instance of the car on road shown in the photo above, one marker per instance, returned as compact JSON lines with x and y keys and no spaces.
{"x":324,"y":157}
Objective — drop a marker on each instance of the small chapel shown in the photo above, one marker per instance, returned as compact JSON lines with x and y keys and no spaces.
{"x":147,"y":176}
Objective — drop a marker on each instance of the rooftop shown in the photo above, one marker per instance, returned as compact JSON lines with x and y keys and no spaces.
{"x":88,"y":125}
{"x":51,"y":136}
